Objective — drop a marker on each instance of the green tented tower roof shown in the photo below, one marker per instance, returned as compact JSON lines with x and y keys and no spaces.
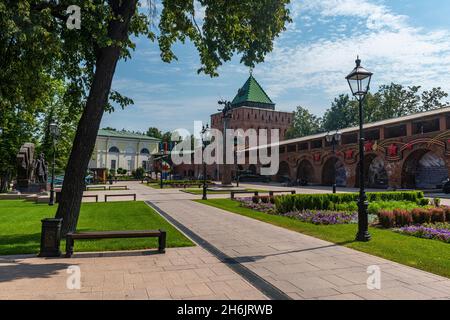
{"x":252,"y":95}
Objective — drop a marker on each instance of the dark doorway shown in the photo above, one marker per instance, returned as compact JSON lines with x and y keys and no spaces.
{"x":331,"y":166}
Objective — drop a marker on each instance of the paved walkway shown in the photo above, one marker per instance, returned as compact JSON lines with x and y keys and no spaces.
{"x":301,"y":266}
{"x":183,"y":273}
{"x":298,"y":265}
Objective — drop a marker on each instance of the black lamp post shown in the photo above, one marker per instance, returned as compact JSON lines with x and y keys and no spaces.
{"x":205,"y":137}
{"x":54,"y":132}
{"x":334,"y":140}
{"x":227,"y":115}
{"x":359,"y":82}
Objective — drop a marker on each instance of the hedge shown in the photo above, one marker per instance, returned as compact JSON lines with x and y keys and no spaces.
{"x":328,"y":201}
{"x":401,"y":218}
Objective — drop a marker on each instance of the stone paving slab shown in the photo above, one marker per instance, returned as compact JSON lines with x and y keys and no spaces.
{"x":302,"y":266}
{"x":181,"y":273}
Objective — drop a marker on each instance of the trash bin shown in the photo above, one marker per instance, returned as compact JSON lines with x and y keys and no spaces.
{"x":50,"y":237}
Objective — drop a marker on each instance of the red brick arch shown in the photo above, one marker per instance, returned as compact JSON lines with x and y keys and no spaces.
{"x":409,"y":165}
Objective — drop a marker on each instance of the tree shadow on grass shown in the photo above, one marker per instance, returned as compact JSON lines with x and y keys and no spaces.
{"x":246,"y":259}
{"x":20,"y":243}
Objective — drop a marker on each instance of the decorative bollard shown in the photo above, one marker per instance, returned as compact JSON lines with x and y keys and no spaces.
{"x":50,"y":237}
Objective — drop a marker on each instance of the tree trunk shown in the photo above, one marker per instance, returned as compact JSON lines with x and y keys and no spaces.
{"x":84,"y":142}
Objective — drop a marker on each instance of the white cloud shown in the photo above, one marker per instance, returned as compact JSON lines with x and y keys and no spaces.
{"x":389,"y":46}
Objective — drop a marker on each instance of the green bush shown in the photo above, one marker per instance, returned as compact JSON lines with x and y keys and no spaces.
{"x":377,"y":206}
{"x":139,"y":173}
{"x":328,"y":201}
{"x":423,"y":202}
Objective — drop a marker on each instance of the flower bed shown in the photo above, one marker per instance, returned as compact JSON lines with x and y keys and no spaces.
{"x":427,"y":232}
{"x":250,"y":203}
{"x":266,"y":205}
{"x":324,"y":217}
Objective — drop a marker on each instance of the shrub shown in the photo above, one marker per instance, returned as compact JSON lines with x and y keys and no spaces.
{"x":272,"y":200}
{"x":139,"y":173}
{"x":255,"y":199}
{"x":264,"y":199}
{"x":402,"y":218}
{"x":423,"y":202}
{"x":436,"y":202}
{"x":349,"y":206}
{"x":386,"y":218}
{"x":447,"y":213}
{"x":437,"y":215}
{"x":419,"y":215}
{"x":300,"y":202}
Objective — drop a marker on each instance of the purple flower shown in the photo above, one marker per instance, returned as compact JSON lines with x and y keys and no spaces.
{"x":324,"y":217}
{"x":426,"y":232}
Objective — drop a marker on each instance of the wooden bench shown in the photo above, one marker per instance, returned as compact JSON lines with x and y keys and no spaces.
{"x":118,"y":187}
{"x":282,"y":191}
{"x":95,"y":187}
{"x":120,"y":195}
{"x":91,"y":196}
{"x":232,"y":193}
{"x":71,"y":236}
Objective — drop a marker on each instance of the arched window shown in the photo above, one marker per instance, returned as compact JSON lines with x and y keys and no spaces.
{"x":145,"y":151}
{"x":114,"y":150}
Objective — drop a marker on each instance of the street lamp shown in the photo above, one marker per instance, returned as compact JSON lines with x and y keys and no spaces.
{"x":227,"y":115}
{"x":54,"y":132}
{"x":205,"y":138}
{"x":334,"y":140}
{"x":359,"y":82}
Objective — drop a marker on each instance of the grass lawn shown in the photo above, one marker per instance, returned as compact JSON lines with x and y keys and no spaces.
{"x":428,"y":255}
{"x":20,"y":226}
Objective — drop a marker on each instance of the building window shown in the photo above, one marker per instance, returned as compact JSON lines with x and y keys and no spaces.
{"x":316,"y":144}
{"x":292,"y":148}
{"x":113,"y":164}
{"x":145,"y":151}
{"x":394,"y":132}
{"x":349,"y":138}
{"x":114,"y":150}
{"x":373,"y":135}
{"x":302,"y":146}
{"x":130,"y":165}
{"x":426,"y":126}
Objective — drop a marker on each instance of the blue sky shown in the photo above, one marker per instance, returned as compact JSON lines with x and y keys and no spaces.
{"x":402,"y":41}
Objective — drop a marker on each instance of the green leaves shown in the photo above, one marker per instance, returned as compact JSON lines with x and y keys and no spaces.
{"x":304,"y":124}
{"x":244,"y":27}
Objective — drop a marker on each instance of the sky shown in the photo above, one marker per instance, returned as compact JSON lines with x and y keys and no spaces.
{"x":401,"y":41}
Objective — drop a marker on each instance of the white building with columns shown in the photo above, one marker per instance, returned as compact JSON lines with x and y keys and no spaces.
{"x":121,"y":149}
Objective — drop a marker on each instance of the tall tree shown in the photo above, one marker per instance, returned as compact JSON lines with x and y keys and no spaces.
{"x":303,"y":124}
{"x":433,"y":99}
{"x":66,"y":120}
{"x":87,"y":57}
{"x":154,"y":132}
{"x":340,"y":115}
